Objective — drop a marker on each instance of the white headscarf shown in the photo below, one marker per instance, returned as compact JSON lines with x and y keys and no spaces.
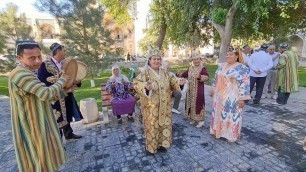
{"x":118,"y":78}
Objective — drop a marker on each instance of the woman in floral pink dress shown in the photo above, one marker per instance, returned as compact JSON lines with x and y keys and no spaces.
{"x":231,"y":86}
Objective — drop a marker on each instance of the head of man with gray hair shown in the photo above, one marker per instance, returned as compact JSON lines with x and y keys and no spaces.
{"x":246,"y":49}
{"x":166,"y":65}
{"x":271,"y":49}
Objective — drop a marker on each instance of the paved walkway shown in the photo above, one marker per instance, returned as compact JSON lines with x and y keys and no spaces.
{"x":272,"y":138}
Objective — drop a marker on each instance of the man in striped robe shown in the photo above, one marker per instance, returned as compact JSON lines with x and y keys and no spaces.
{"x":287,"y":80}
{"x":37,"y":142}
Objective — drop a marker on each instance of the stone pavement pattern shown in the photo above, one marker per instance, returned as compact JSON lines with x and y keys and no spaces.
{"x":272,"y":139}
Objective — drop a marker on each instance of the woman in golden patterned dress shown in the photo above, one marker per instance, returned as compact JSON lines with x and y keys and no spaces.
{"x":196,"y":74}
{"x":154,"y":86}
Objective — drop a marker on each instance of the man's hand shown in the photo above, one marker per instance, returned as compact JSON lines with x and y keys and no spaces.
{"x":258,"y":72}
{"x":65,"y":77}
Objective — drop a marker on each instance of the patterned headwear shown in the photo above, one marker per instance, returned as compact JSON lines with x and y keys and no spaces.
{"x":284,"y":46}
{"x":195,"y":54}
{"x":232,"y":49}
{"x":55,"y":46}
{"x":152,"y":52}
{"x":21,"y":44}
{"x":264,"y":46}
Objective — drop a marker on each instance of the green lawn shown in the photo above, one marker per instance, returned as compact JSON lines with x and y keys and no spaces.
{"x":3,"y":85}
{"x":302,"y":77}
{"x":210,"y":69}
{"x":86,"y":91}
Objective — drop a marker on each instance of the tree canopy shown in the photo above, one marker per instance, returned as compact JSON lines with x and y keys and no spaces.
{"x":13,"y":27}
{"x":81,"y":23}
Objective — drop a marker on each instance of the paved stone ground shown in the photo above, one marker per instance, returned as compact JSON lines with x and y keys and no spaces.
{"x":272,"y":138}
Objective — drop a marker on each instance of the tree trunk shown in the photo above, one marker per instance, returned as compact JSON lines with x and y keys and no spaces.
{"x":226,"y":31}
{"x":162,"y":34}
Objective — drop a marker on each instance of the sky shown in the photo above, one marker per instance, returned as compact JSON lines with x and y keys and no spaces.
{"x":26,"y":7}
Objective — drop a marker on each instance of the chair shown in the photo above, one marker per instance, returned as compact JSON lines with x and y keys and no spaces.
{"x":105,"y":97}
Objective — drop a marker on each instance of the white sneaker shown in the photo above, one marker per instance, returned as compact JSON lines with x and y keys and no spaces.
{"x":200,"y":124}
{"x":275,"y":103}
{"x":175,"y":111}
{"x":274,"y":97}
{"x":263,"y":96}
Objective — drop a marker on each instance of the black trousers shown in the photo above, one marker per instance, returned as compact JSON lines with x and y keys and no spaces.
{"x":67,"y":130}
{"x":260,"y":84}
{"x":282,"y":97}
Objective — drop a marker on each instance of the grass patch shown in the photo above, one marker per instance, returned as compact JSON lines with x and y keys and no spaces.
{"x":302,"y":77}
{"x":211,"y":69}
{"x":4,"y":85}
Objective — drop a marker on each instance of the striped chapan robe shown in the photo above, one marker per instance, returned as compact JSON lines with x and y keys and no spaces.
{"x":287,"y":80}
{"x":37,"y":142}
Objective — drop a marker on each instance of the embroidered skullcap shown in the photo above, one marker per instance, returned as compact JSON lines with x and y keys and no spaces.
{"x":284,"y":45}
{"x":55,"y":46}
{"x":264,"y":46}
{"x":20,"y":45}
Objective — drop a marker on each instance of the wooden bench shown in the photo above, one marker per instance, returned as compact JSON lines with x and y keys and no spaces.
{"x":105,"y":97}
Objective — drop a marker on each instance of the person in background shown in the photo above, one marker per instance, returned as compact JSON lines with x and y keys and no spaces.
{"x":176,"y":94}
{"x":260,"y":62}
{"x":36,"y":137}
{"x":196,"y":75}
{"x":287,"y":76}
{"x":246,"y":53}
{"x":67,"y":108}
{"x":122,"y":101}
{"x":128,"y":56}
{"x":229,"y":90}
{"x":271,"y":74}
{"x":154,"y":86}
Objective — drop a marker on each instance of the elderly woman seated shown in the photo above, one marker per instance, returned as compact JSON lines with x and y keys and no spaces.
{"x":122,"y":102}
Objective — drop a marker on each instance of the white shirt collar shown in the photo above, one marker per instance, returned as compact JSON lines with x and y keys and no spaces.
{"x":58,"y":64}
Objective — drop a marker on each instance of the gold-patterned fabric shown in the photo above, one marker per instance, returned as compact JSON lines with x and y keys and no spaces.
{"x":156,"y":107}
{"x":53,"y":69}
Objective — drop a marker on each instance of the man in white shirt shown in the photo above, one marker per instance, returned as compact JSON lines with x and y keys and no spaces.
{"x":260,"y":62}
{"x":271,"y":74}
